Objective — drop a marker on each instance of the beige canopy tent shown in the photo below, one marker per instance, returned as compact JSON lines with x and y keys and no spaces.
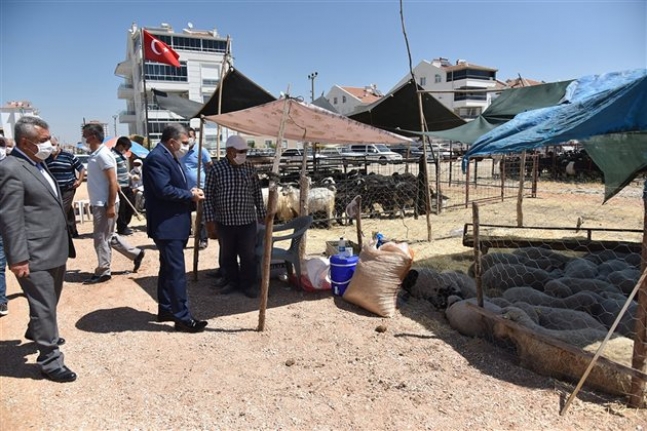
{"x":303,"y":122}
{"x":291,"y":119}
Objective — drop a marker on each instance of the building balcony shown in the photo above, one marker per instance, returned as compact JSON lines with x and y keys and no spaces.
{"x":127,"y":117}
{"x":125,"y":91}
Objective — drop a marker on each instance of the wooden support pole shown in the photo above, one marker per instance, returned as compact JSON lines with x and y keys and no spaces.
{"x":477,"y":253}
{"x":522,"y":177}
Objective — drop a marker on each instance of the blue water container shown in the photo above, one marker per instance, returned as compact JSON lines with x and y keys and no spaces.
{"x":342,"y":269}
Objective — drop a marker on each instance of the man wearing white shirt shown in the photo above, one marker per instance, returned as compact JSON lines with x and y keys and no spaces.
{"x":104,"y":201}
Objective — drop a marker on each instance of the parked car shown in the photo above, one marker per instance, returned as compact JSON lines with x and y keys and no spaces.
{"x":406,"y":149}
{"x":377,"y":152}
{"x":296,"y":155}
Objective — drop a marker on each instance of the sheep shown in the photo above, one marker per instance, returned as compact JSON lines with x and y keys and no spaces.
{"x":536,"y":253}
{"x":322,"y":199}
{"x":606,"y":268}
{"x":287,"y":205}
{"x":625,"y":280}
{"x":581,"y":268}
{"x":579,"y":284}
{"x":502,"y":276}
{"x":581,"y":301}
{"x":491,"y":259}
{"x":430,"y":285}
{"x":465,"y":320}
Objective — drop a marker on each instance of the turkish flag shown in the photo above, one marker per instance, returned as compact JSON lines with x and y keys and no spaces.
{"x":156,"y":50}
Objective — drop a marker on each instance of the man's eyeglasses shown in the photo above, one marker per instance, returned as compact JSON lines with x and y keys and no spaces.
{"x":241,"y":151}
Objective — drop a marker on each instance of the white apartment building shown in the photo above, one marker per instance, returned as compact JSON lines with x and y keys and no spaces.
{"x":346,"y":99}
{"x":11,"y":112}
{"x":202,"y":55}
{"x":442,"y":76}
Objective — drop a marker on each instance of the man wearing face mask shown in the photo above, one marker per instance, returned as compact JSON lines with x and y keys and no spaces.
{"x":125,"y":214}
{"x":190,"y":162}
{"x":168,"y":202}
{"x":37,"y":243}
{"x":68,"y":171}
{"x":104,"y":202}
{"x":232,"y":208}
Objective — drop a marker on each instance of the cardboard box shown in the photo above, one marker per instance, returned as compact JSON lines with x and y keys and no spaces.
{"x":332,"y":247}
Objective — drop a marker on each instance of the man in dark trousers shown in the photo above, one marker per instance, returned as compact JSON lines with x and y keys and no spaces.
{"x":232,"y":209}
{"x":168,"y":214}
{"x":37,"y":243}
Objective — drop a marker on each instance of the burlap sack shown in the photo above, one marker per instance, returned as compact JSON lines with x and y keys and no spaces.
{"x":378,"y":276}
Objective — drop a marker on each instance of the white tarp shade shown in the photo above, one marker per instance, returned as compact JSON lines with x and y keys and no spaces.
{"x":304,"y":122}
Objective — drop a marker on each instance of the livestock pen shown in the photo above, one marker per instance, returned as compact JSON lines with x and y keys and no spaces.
{"x":559,"y":212}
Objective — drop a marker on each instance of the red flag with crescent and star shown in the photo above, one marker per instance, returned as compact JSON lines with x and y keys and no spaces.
{"x":156,"y":50}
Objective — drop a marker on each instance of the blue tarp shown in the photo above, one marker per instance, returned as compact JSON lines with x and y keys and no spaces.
{"x":593,"y":105}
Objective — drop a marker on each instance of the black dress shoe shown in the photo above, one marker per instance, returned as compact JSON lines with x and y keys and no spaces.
{"x":97,"y":279}
{"x":138,"y":261}
{"x":215,"y":274}
{"x":62,"y":375}
{"x":219,"y":283}
{"x":30,"y":337}
{"x":190,"y":326}
{"x":228,"y":288}
{"x":165,"y":316}
{"x":251,"y":292}
{"x":126,"y":231}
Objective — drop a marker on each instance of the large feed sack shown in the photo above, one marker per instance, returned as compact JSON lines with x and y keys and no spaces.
{"x":378,"y":277}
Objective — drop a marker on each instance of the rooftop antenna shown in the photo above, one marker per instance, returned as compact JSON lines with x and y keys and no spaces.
{"x":190,"y":25}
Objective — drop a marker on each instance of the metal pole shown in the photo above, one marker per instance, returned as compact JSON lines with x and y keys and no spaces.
{"x":312,"y":77}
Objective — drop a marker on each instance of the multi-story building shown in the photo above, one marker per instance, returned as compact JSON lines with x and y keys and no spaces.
{"x":444,"y":78}
{"x":202,"y":56}
{"x":11,"y":112}
{"x":346,"y":99}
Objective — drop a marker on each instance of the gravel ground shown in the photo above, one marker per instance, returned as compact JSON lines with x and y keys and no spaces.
{"x":320,"y":364}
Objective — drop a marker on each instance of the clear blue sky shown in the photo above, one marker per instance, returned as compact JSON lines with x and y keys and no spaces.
{"x":61,"y":55}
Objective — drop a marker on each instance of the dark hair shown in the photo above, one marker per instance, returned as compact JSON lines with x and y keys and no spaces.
{"x":124,"y":141}
{"x":173,"y":131}
{"x":94,"y":129}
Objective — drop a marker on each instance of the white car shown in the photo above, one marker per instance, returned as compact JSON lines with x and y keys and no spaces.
{"x":376,"y":152}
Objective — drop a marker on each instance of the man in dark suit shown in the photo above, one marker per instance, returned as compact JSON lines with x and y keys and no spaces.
{"x":37,"y":244}
{"x":168,"y":214}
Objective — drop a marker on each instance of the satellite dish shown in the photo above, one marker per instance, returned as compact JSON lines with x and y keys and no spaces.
{"x":190,"y":25}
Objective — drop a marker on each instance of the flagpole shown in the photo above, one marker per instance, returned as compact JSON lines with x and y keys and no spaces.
{"x":148,"y":139}
{"x":220,"y":89}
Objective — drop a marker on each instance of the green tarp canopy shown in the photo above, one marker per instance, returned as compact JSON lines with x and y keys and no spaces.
{"x":503,"y":109}
{"x":399,"y":112}
{"x":621,"y":156}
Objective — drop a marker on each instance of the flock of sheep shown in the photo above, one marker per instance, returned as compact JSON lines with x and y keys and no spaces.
{"x":572,"y":299}
{"x":328,"y":199}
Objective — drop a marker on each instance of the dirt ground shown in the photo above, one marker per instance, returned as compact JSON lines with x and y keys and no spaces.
{"x":320,"y":364}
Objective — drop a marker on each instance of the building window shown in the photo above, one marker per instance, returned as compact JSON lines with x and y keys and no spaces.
{"x":164,"y":72}
{"x":210,"y":82}
{"x":423,"y":81}
{"x":483,"y":75}
{"x":470,"y":96}
{"x":343,"y":99}
{"x":193,"y":43}
{"x":334,"y":100}
{"x":438,"y":78}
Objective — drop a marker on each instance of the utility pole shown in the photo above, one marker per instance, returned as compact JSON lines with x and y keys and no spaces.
{"x":114,"y":118}
{"x":312,"y":77}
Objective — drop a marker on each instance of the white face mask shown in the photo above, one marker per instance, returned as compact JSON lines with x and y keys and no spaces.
{"x":240,"y":158}
{"x":182,"y":151}
{"x":44,"y":150}
{"x":3,"y":153}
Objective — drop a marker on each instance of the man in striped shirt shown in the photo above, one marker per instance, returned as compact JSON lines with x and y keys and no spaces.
{"x":233,"y":206}
{"x":125,"y":215}
{"x":68,"y":171}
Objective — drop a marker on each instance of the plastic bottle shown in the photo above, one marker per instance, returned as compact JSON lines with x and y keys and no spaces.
{"x":341,"y":248}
